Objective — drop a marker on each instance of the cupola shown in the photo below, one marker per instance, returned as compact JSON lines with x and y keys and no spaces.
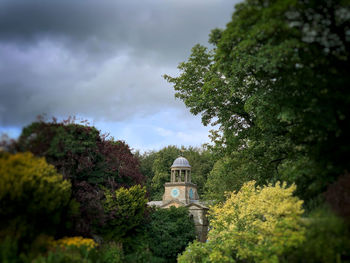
{"x":180,"y":170}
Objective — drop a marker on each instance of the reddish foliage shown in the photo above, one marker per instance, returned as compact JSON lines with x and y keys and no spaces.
{"x":119,"y":160}
{"x":91,"y":209}
{"x":88,"y":160}
{"x":338,"y":196}
{"x":81,"y":154}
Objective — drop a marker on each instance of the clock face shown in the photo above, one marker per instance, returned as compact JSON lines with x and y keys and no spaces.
{"x":175,"y":192}
{"x":190,"y":193}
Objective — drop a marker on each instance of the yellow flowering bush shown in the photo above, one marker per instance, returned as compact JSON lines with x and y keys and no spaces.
{"x":33,"y":196}
{"x":26,"y":179}
{"x":75,"y":242}
{"x":257,"y":224}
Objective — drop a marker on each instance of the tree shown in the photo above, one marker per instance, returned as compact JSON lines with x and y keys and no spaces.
{"x":338,"y":196}
{"x":80,"y":153}
{"x":126,"y":208}
{"x":169,"y":231}
{"x":327,"y":239}
{"x":161,"y":170}
{"x":146,"y":162}
{"x":256,"y":224}
{"x":33,"y":196}
{"x":228,"y":174}
{"x":89,"y":160}
{"x":277,"y":85}
{"x":202,"y":161}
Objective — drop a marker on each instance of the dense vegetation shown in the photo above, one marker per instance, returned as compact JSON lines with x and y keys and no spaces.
{"x":169,"y":232}
{"x":69,"y":194}
{"x":276,"y":84}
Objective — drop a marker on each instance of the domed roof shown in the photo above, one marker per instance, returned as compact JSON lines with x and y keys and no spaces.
{"x":181,"y":162}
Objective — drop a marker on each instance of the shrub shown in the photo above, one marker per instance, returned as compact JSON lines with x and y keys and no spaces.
{"x":89,"y":160}
{"x":255,"y":224}
{"x":170,"y":231}
{"x":338,"y":196}
{"x":327,"y":239}
{"x":75,"y":242}
{"x":70,"y":254}
{"x":32,"y":198}
{"x":78,"y":249}
{"x":111,"y":253}
{"x":125,"y":209}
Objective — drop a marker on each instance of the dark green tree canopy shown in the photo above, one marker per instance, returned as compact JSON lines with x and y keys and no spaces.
{"x":276,"y":83}
{"x":170,"y":231}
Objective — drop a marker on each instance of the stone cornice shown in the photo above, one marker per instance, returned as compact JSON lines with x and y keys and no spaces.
{"x":180,"y":184}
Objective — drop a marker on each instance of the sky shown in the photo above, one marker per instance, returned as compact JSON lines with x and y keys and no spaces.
{"x":103,"y":61}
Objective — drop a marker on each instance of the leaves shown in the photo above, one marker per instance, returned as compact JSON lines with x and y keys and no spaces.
{"x":257,"y":224}
{"x":170,"y":230}
{"x":275,"y":85}
{"x":125,"y":209}
{"x":33,"y":197}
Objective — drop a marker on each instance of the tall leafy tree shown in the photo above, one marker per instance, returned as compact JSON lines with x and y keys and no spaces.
{"x":276,"y":83}
{"x":89,"y":160}
{"x":81,"y":153}
{"x":255,"y":224}
{"x":161,"y":170}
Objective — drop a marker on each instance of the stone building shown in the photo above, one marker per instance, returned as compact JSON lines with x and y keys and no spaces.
{"x":180,"y":191}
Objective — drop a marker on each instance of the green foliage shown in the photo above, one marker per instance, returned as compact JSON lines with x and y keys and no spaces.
{"x":228,"y":174}
{"x":161,"y":170}
{"x":107,"y":253}
{"x":327,"y":239}
{"x":89,"y":160}
{"x":126,"y":208}
{"x":202,"y":161}
{"x":142,"y":254}
{"x":68,"y":255}
{"x":197,"y":252}
{"x":33,"y":196}
{"x":80,"y":153}
{"x":169,"y":231}
{"x":276,"y":84}
{"x":9,"y":250}
{"x":256,"y":224}
{"x":111,"y":253}
{"x":30,"y":183}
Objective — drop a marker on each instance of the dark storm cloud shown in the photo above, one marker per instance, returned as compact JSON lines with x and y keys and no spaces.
{"x":102,"y":59}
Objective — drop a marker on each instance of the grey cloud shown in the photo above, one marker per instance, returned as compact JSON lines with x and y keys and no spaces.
{"x":168,"y":27}
{"x":101,"y":59}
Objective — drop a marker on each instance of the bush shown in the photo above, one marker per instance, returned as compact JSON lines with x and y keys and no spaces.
{"x":256,"y":224}
{"x":89,"y":160}
{"x":78,"y":242}
{"x":70,"y":254}
{"x":111,"y":253}
{"x":327,"y":239}
{"x":338,"y":196}
{"x":170,"y":231}
{"x":32,"y":198}
{"x":125,"y":209}
{"x":78,"y":249}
